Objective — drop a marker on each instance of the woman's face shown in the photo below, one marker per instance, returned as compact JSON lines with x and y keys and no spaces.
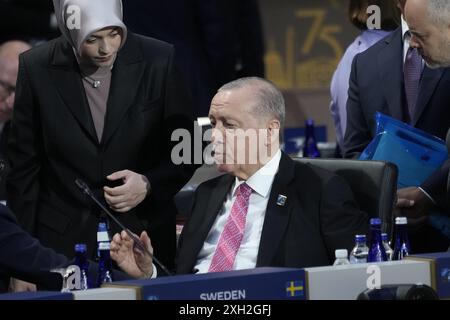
{"x":100,"y":48}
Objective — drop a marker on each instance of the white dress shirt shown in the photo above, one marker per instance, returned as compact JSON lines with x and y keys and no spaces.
{"x":261,"y":184}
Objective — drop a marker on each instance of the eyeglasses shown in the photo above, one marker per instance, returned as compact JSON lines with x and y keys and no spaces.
{"x":6,"y":90}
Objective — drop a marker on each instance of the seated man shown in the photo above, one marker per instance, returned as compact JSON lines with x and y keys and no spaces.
{"x":267,"y":210}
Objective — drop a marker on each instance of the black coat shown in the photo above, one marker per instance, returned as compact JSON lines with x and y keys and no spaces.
{"x":319,"y":217}
{"x":53,"y":142}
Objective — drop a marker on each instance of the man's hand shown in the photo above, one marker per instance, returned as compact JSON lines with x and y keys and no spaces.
{"x":129,"y":258}
{"x":413,"y":204}
{"x":16,"y":285}
{"x":127,"y":196}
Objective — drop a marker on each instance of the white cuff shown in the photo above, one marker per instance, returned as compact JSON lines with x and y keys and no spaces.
{"x":153,"y":275}
{"x":428,"y":196}
{"x":155,"y":272}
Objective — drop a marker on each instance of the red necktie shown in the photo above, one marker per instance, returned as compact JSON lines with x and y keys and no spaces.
{"x":233,"y":232}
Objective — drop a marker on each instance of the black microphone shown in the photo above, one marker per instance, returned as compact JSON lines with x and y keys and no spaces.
{"x":137,"y":242}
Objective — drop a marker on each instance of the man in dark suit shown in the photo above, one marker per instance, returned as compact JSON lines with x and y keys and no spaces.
{"x":267,"y":210}
{"x":23,"y":257}
{"x":29,"y":263}
{"x":379,"y":81}
{"x":430,"y":35}
{"x":98,"y":104}
{"x":215,"y":41}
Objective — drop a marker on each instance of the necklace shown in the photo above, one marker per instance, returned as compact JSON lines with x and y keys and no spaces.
{"x":100,"y":75}
{"x":95,"y":83}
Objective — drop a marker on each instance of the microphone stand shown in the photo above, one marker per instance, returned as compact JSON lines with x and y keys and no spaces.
{"x":137,"y":242}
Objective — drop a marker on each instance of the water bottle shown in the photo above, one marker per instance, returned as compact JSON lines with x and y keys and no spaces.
{"x":82,"y":262}
{"x":401,"y":245}
{"x":310,"y":149}
{"x":341,"y":257}
{"x":104,"y":262}
{"x":387,"y":247}
{"x":102,"y":234}
{"x":360,"y":251}
{"x":376,"y":248}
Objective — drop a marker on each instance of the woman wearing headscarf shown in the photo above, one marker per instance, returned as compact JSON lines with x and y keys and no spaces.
{"x":98,"y":103}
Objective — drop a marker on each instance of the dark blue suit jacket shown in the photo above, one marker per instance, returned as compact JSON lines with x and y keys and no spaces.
{"x":23,"y":257}
{"x":376,"y":84}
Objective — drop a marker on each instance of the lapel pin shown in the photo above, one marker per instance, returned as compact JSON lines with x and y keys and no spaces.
{"x":281,"y":200}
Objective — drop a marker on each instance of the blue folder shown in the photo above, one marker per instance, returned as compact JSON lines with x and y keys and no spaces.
{"x":416,"y":153}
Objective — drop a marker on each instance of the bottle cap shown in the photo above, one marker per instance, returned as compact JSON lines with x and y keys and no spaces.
{"x":341,"y":254}
{"x":384,"y":237}
{"x":360,"y":237}
{"x":80,"y":247}
{"x":102,"y":226}
{"x":375,"y":221}
{"x":401,"y":220}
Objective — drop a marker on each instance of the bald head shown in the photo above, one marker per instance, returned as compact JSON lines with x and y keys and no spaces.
{"x":429,"y":24}
{"x":12,"y":49}
{"x":439,"y":10}
{"x":9,"y":59}
{"x":9,"y":68}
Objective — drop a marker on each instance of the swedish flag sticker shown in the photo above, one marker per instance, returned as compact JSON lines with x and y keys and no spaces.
{"x":295,"y":289}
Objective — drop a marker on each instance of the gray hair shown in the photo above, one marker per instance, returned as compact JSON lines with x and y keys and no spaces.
{"x":439,"y":11}
{"x":271,"y":101}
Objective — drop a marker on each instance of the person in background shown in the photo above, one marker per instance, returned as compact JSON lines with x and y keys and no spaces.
{"x":268,"y":211}
{"x":358,"y":15}
{"x":392,"y":78}
{"x":9,"y":67}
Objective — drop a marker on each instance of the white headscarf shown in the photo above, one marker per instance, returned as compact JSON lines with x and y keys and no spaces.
{"x":94,"y":16}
